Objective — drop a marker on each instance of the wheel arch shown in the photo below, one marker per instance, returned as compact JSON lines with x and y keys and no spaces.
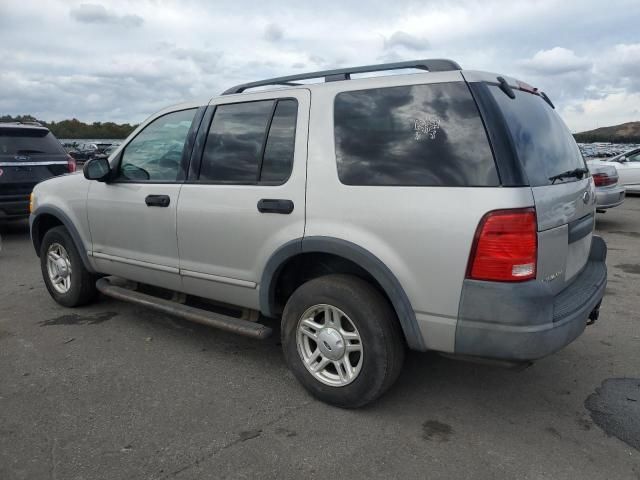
{"x":355,"y":254}
{"x":47,"y":217}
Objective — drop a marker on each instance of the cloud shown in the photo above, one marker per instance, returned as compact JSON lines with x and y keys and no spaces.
{"x":273,"y":32}
{"x":556,"y":61}
{"x":109,"y":70}
{"x":406,"y":40}
{"x":96,"y":13}
{"x":611,"y":109}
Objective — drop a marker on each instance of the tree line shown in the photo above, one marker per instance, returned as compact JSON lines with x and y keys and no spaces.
{"x":74,"y":128}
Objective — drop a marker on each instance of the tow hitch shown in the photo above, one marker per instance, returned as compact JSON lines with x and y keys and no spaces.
{"x":593,"y":316}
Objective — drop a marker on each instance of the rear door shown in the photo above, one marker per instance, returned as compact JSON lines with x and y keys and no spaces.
{"x":28,"y":155}
{"x":245,"y":196}
{"x":565,"y":207}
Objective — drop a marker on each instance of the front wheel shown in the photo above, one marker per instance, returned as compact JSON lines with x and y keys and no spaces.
{"x":342,"y":341}
{"x":68,"y":281}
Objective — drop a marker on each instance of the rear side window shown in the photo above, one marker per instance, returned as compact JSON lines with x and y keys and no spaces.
{"x":543,"y":142}
{"x":250,"y":143}
{"x":28,"y":142}
{"x":417,"y":135}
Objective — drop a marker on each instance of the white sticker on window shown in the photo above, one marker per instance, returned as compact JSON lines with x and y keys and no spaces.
{"x":427,"y":128}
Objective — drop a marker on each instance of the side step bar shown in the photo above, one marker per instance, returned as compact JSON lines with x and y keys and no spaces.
{"x":205,"y":317}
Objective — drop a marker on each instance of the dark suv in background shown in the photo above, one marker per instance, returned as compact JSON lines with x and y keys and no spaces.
{"x":29,"y":153}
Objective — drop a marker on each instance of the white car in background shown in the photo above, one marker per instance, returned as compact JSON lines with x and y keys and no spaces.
{"x":628,"y":167}
{"x":609,"y":192}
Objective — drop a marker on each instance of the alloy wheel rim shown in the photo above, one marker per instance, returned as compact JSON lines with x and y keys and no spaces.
{"x":59,"y":268}
{"x":329,"y":345}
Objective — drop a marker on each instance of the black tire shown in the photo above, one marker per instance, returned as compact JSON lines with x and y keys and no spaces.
{"x":381,"y":338}
{"x":83,"y":283}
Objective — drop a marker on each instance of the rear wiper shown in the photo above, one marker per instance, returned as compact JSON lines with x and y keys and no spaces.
{"x":28,"y":151}
{"x":576,"y":173}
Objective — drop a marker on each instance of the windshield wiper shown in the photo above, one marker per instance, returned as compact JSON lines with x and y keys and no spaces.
{"x":27,"y":151}
{"x":576,"y":173}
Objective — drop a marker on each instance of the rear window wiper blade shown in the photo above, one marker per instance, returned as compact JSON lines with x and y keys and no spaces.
{"x":27,"y":151}
{"x":576,"y":173}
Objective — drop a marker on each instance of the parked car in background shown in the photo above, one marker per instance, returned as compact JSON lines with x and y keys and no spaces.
{"x":609,"y":192}
{"x":29,"y":153}
{"x":87,"y":151}
{"x":367,"y":215}
{"x":628,"y":167}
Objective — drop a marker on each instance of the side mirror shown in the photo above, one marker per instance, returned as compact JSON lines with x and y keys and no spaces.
{"x":97,"y":169}
{"x":622,"y":159}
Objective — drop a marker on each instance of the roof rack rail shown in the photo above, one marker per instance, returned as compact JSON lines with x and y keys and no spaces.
{"x":25,"y":122}
{"x":430,"y":65}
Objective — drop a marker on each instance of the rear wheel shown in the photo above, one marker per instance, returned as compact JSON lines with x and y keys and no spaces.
{"x":65,"y":276}
{"x":341,"y":340}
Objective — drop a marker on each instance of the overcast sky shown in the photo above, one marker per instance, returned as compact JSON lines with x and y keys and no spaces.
{"x":122,"y":60}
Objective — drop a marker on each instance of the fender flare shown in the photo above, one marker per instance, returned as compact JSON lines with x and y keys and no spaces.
{"x":355,"y":253}
{"x":68,"y":224}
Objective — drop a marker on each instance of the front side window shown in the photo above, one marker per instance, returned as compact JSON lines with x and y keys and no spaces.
{"x":416,"y":135}
{"x":634,"y":157}
{"x":250,"y":143}
{"x":155,"y":154}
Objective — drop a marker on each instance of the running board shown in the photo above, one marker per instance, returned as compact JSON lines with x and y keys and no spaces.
{"x":205,"y":317}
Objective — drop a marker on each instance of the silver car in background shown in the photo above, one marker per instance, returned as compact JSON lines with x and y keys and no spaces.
{"x":609,"y":192}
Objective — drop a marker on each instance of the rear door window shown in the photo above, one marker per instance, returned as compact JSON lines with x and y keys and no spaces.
{"x":250,"y":143}
{"x":417,"y":135}
{"x":543,"y":143}
{"x":28,"y":142}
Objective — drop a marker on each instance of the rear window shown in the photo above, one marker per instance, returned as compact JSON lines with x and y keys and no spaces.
{"x":416,"y":135}
{"x":28,"y":141}
{"x":543,"y":142}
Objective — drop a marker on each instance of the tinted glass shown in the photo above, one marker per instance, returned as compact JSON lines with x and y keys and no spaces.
{"x":16,"y":141}
{"x":234,"y":143}
{"x":412,"y":135}
{"x":155,"y":154}
{"x":278,"y":152}
{"x":543,"y":142}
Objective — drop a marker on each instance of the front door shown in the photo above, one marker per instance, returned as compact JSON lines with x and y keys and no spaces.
{"x":245,"y":196}
{"x":132,"y":217}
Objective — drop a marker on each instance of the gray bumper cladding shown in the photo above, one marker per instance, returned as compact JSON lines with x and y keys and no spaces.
{"x":524,"y":321}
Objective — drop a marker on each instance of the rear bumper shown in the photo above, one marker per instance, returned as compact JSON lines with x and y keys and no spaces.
{"x":14,"y":206}
{"x":525,"y":321}
{"x":609,"y":197}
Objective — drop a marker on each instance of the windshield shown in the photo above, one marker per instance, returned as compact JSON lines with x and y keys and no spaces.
{"x":543,"y":142}
{"x":16,"y":141}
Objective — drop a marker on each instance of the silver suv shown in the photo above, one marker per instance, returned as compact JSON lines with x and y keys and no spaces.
{"x":446,"y":210}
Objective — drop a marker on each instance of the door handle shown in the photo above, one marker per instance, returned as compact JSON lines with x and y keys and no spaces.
{"x":275,"y":205}
{"x":157,"y":200}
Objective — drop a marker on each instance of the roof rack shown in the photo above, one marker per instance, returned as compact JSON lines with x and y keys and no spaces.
{"x":26,"y":122}
{"x":430,"y":65}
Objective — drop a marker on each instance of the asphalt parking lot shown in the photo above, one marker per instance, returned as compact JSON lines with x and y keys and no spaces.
{"x":113,"y":391}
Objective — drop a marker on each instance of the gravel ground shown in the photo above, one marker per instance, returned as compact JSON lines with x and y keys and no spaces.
{"x":114,"y":391}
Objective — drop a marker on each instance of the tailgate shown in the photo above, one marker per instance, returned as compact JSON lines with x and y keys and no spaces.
{"x":563,"y":191}
{"x":565,"y":225}
{"x":18,"y":174}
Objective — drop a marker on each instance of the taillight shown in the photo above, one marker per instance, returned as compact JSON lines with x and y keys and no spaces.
{"x":71,"y":163}
{"x":602,"y":179}
{"x":505,"y":247}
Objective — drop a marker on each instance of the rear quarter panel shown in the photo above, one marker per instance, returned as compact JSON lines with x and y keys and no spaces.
{"x":422,"y":234}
